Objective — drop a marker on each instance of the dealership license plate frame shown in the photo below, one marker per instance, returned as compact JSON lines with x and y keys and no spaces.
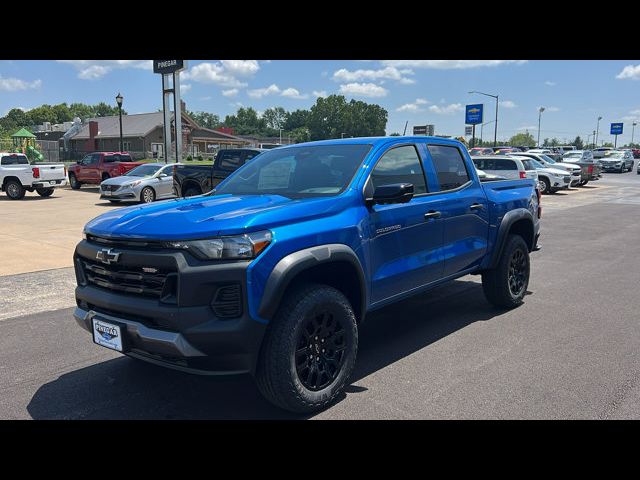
{"x":120,"y":328}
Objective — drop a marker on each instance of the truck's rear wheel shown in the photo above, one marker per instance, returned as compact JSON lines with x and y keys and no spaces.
{"x":506,"y":285}
{"x":73,"y":181}
{"x":309,"y":350}
{"x":14,"y":189}
{"x":192,"y":192}
{"x":44,"y":192}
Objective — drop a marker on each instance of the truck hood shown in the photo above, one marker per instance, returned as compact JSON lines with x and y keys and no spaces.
{"x":207,"y":216}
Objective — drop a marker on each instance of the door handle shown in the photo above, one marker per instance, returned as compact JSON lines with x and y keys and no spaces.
{"x":432,"y":214}
{"x":476,"y":206}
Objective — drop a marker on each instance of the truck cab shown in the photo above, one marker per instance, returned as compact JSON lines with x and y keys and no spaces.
{"x":98,"y":166}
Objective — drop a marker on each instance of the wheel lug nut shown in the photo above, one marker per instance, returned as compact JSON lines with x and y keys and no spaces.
{"x":317,"y":358}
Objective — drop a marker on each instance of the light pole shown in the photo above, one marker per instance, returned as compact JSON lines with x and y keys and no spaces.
{"x":495,"y":132}
{"x":633,"y":127}
{"x":594,"y":139}
{"x":482,"y":128}
{"x":540,"y":110}
{"x":342,"y":135}
{"x":119,"y":100}
{"x":597,"y":130}
{"x":280,"y":136}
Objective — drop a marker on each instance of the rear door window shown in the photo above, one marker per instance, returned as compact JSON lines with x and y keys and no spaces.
{"x":14,"y":160}
{"x":229,"y":160}
{"x":449,"y":166}
{"x":249,"y":155}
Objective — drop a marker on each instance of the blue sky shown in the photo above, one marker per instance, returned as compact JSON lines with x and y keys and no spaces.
{"x":574,"y":93}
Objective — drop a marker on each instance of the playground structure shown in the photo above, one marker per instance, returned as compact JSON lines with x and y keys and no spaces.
{"x":25,"y":142}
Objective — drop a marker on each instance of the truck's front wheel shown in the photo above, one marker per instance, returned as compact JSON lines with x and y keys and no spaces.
{"x":506,"y":285}
{"x":73,"y":181}
{"x":309,"y":351}
{"x":14,"y":189}
{"x":44,"y":192}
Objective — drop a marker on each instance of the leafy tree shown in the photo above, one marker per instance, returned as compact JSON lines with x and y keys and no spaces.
{"x":275,"y":118}
{"x":104,"y":110}
{"x":578,"y":143}
{"x":296,"y":119}
{"x":299,"y":135}
{"x":332,"y":116}
{"x":524,"y":139}
{"x":205,"y":119}
{"x":394,"y":134}
{"x":608,"y":144}
{"x":246,"y":122}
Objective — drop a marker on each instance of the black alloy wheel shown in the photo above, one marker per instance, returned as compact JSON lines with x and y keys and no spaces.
{"x":320,"y":348}
{"x":517,"y":275}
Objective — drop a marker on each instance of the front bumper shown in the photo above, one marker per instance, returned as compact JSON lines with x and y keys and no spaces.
{"x":181,"y":330}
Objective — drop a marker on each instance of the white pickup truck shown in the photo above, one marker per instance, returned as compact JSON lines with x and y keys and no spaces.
{"x":17,"y":176}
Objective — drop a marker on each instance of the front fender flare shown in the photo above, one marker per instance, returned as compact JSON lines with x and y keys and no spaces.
{"x":508,"y":220}
{"x":294,"y":263}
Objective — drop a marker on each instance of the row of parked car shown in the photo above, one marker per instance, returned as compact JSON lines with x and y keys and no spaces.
{"x":554,"y":169}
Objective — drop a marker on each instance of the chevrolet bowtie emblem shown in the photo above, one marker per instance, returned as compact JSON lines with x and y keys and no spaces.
{"x":108,"y":256}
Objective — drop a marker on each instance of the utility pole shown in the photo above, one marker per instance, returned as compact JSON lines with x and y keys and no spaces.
{"x":540,"y":110}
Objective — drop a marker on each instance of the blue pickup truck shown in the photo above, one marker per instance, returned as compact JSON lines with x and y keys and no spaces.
{"x":274,"y":271}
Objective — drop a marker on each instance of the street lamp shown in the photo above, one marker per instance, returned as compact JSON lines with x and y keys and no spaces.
{"x":597,"y":130}
{"x":482,"y":129}
{"x":495,"y":132}
{"x":119,"y":99}
{"x":633,"y":127}
{"x":280,"y":136}
{"x":540,"y":110}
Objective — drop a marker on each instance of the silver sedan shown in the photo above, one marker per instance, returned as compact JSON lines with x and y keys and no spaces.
{"x":144,"y":184}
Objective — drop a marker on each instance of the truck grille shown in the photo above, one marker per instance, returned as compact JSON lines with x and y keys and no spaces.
{"x":133,"y":280}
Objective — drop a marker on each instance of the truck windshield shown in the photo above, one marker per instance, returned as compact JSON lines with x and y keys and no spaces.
{"x":143,"y":171}
{"x":297,"y":172}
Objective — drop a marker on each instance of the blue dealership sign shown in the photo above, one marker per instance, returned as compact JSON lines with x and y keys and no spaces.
{"x":474,"y":114}
{"x":616,"y":128}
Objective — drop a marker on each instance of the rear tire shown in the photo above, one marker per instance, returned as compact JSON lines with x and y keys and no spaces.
{"x":44,"y":192}
{"x":544,"y":185}
{"x":583,"y":183}
{"x":73,"y":181}
{"x":506,"y":285}
{"x":309,"y":351}
{"x":14,"y":189}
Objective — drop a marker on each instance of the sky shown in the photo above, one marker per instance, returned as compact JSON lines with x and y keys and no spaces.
{"x":573,"y":92}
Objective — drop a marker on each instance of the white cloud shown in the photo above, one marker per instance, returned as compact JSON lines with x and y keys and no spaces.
{"x":185,"y":87}
{"x":241,"y":68}
{"x":95,"y":69}
{"x":447,"y":109}
{"x":261,"y":92}
{"x":363,"y":90}
{"x":449,"y":64}
{"x":293,"y":93}
{"x":216,"y":73}
{"x":232,"y":92}
{"x":550,"y":83}
{"x":413,"y":107}
{"x":629,"y":72}
{"x":389,"y":73}
{"x":508,"y":104}
{"x":319,"y":93}
{"x":15,"y":84}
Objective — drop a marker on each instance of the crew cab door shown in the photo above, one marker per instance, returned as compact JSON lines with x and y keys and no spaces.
{"x":16,"y":165}
{"x":464,"y":207}
{"x":405,"y":248}
{"x":89,"y":171}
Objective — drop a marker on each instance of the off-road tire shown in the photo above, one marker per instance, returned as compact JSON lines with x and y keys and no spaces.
{"x":276,"y":374}
{"x":495,"y":282}
{"x":14,"y":189}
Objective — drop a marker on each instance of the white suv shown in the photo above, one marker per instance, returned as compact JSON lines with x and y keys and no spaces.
{"x":511,"y":167}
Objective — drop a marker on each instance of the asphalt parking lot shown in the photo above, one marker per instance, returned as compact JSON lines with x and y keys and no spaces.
{"x":570,"y":352}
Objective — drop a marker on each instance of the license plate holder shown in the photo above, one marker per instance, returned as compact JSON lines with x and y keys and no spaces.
{"x":109,"y":334}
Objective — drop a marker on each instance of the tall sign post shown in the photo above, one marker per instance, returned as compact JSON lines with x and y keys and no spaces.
{"x":616,"y":129}
{"x":170,"y":71}
{"x":473,"y":116}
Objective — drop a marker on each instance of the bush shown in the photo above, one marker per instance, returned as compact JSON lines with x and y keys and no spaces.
{"x":199,"y":158}
{"x":189,"y":158}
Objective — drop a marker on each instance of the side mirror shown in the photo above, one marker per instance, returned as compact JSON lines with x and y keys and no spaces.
{"x":163,"y":175}
{"x":393,"y":193}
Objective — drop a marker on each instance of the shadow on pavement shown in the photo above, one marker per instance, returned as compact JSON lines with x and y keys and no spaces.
{"x":125,"y":388}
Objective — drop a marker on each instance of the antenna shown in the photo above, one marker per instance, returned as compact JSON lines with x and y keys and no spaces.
{"x":405,"y":128}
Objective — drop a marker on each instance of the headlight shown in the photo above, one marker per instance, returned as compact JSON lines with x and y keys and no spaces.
{"x":134,"y":184}
{"x":226,"y":248}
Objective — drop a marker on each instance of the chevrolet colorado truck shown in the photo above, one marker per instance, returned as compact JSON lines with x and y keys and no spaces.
{"x":96,"y":167}
{"x":18,"y":176}
{"x":274,"y":271}
{"x":190,"y":180}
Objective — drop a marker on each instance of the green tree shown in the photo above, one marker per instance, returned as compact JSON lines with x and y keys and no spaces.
{"x":246,"y":122}
{"x":205,"y":119}
{"x":296,"y":119}
{"x":578,"y":143}
{"x":331,"y":117}
{"x":522,"y":139}
{"x":81,"y":110}
{"x":299,"y":135}
{"x":394,"y":134}
{"x":275,"y":118}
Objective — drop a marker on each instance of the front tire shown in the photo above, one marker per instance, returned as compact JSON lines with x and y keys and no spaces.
{"x":14,"y":190}
{"x":147,"y":195}
{"x":544,"y":185}
{"x":583,"y":183}
{"x":44,"y":192}
{"x":309,"y":350}
{"x":73,"y":181}
{"x":506,"y":285}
